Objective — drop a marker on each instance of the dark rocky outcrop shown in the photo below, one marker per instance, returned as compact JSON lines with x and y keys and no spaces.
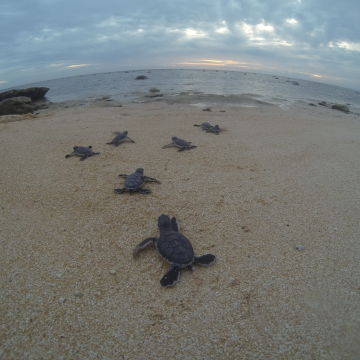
{"x":22,"y":101}
{"x":16,"y":105}
{"x":34,"y":93}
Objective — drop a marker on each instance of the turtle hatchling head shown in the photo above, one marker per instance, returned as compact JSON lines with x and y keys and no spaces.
{"x":173,"y":138}
{"x":216,"y":129}
{"x":125,"y":132}
{"x":164,"y":222}
{"x":140,"y":171}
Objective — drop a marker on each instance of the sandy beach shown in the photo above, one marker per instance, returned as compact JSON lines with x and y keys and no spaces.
{"x":274,"y":179}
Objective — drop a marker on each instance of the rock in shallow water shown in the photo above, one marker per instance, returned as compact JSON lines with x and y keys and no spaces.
{"x":341,"y":107}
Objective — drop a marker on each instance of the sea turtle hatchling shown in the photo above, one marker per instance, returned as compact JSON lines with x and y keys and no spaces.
{"x":120,"y":138}
{"x":82,"y":151}
{"x":135,"y":182}
{"x":215,"y":129}
{"x":175,"y":248}
{"x":179,"y":143}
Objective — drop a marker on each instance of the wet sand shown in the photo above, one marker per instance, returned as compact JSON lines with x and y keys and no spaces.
{"x":273,"y":180}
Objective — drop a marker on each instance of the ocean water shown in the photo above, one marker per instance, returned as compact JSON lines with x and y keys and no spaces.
{"x":122,"y":86}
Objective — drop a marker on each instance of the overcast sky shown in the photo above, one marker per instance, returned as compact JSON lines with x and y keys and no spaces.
{"x":311,"y":39}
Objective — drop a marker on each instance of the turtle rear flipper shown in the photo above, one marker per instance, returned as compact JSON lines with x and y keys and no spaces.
{"x":120,"y":191}
{"x":207,"y":259}
{"x":143,"y":191}
{"x":171,"y":277}
{"x":187,"y":148}
{"x":197,"y":125}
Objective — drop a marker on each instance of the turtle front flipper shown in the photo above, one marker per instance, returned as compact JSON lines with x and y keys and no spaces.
{"x":171,"y":277}
{"x":144,"y":244}
{"x":123,"y":175}
{"x":168,"y":145}
{"x":207,"y":259}
{"x":69,"y":155}
{"x":131,"y":140}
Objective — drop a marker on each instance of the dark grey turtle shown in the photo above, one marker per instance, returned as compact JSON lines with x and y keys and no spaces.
{"x":180,"y":143}
{"x":175,"y":248}
{"x":120,"y":138}
{"x":82,"y":151}
{"x":135,"y":182}
{"x":215,"y":129}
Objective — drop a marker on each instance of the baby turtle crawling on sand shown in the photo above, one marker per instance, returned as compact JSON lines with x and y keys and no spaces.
{"x":82,"y":151}
{"x":215,"y":129}
{"x":175,"y":248}
{"x":135,"y":182}
{"x":120,"y":138}
{"x":180,"y":143}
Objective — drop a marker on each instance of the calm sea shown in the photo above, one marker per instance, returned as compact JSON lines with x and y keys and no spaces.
{"x":122,"y":86}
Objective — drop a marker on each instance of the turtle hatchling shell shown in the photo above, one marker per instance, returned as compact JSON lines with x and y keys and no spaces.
{"x":176,"y":249}
{"x":181,"y":142}
{"x":82,"y":150}
{"x":134,"y":181}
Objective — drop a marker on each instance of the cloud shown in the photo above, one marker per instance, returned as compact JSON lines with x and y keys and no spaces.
{"x":75,"y":66}
{"x":36,"y":36}
{"x":215,"y":62}
{"x":351,"y":46}
{"x":291,"y":21}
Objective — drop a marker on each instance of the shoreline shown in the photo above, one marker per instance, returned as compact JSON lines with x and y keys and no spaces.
{"x":273,"y":180}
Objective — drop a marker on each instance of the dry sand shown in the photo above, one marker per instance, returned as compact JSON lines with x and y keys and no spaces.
{"x":273,"y":180}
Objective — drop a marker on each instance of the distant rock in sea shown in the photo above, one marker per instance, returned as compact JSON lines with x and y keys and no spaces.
{"x":141,"y":77}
